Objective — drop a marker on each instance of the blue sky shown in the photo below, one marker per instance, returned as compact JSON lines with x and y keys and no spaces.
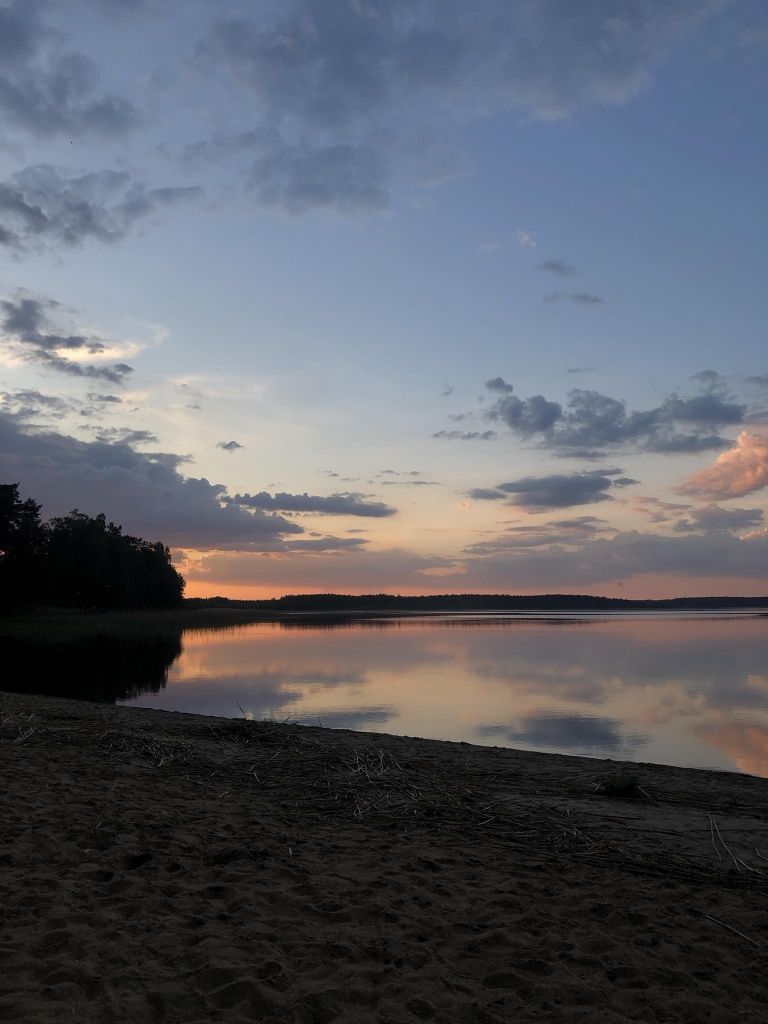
{"x":321,"y":228}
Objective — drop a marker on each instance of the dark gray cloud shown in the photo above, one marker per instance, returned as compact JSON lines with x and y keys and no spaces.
{"x":146,"y":493}
{"x":229,"y":446}
{"x":410,"y":483}
{"x":332,"y":65}
{"x":658,"y":511}
{"x":125,"y":435}
{"x":28,"y":404}
{"x":403,"y":478}
{"x":466,"y":435}
{"x":558,"y":531}
{"x":341,"y":176}
{"x":579,"y":298}
{"x":26,"y":329}
{"x":343,"y":84}
{"x":559,"y":267}
{"x":104,"y":399}
{"x":623,"y":556}
{"x":555,"y":491}
{"x":349,"y":503}
{"x":535,"y":415}
{"x":46,"y":90}
{"x":710,"y":381}
{"x":485,"y":494}
{"x":326,"y":544}
{"x":714,"y":518}
{"x":591,"y":422}
{"x":223,"y":147}
{"x":500,"y":385}
{"x":41,"y":206}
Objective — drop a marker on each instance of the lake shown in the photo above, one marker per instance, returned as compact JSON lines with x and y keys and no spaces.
{"x":687,"y":690}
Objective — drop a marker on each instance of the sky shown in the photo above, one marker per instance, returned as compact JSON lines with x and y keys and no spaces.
{"x":411,"y":296}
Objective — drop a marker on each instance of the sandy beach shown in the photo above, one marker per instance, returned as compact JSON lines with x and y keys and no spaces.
{"x":162,"y":867}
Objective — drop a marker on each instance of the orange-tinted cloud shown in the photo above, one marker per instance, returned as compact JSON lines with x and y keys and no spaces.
{"x":739,"y":471}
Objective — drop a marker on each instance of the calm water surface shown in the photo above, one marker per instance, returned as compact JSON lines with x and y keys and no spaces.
{"x":685,"y":690}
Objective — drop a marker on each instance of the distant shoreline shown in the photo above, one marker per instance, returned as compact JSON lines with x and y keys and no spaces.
{"x":436,"y":603}
{"x":55,"y":624}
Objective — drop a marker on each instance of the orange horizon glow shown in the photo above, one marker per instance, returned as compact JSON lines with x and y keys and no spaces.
{"x":638,"y":590}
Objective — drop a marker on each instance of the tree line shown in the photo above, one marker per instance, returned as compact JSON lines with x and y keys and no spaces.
{"x":78,"y":561}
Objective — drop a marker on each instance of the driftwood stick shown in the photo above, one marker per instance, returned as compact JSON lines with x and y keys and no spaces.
{"x":731,"y":929}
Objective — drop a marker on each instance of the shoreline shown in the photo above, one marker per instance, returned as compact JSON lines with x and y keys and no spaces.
{"x":213,"y":617}
{"x":165,"y":866}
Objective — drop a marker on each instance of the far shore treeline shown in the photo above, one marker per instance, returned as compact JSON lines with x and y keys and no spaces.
{"x":78,"y":561}
{"x":342,"y":604}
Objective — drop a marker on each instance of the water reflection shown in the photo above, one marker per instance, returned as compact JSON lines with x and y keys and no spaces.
{"x":105,"y":667}
{"x":678,"y":690}
{"x":685,"y":690}
{"x":578,"y":732}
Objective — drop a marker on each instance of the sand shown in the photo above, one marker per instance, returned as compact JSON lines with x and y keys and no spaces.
{"x":161,"y":867}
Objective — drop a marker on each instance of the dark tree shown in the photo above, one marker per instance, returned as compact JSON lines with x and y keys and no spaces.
{"x":91,"y":563}
{"x":21,"y":546}
{"x":79,"y":561}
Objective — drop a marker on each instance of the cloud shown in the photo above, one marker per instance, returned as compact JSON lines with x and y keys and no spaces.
{"x":222,"y":147}
{"x":466,"y":435}
{"x":342,"y":86}
{"x":579,"y":298}
{"x":28,"y":404}
{"x":352,"y":571}
{"x":358,"y":59}
{"x":737,"y":472}
{"x":27,"y":332}
{"x":146,"y":493}
{"x":485,"y":494}
{"x":715,"y":518}
{"x":710,"y":381}
{"x":559,"y":267}
{"x":556,"y":567}
{"x":500,"y":385}
{"x":658,"y":511}
{"x":341,"y":176}
{"x":349,"y":503}
{"x":591,"y":422}
{"x":623,"y":556}
{"x":326,"y":544}
{"x":535,"y":415}
{"x":526,"y":240}
{"x":556,"y":491}
{"x":46,"y":91}
{"x":42,"y":206}
{"x":229,"y":446}
{"x":125,"y":435}
{"x":558,"y":531}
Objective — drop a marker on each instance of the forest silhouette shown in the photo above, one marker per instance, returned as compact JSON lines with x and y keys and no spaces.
{"x":79,"y":561}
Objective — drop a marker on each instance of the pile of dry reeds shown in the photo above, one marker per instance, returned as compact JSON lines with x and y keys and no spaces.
{"x":293,"y":769}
